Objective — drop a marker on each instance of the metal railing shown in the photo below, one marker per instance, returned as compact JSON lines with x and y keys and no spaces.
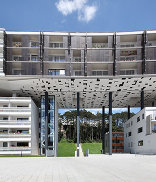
{"x":77,"y":59}
{"x":15,"y":122}
{"x":99,"y":45}
{"x":14,"y":135}
{"x":128,"y":58}
{"x":15,"y":109}
{"x":151,"y":43}
{"x":14,"y":148}
{"x":128,"y":44}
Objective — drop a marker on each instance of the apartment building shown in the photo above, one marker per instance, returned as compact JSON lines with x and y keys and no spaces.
{"x":140,"y":132}
{"x":117,"y":142}
{"x":78,"y":70}
{"x":79,"y":54}
{"x":19,"y":126}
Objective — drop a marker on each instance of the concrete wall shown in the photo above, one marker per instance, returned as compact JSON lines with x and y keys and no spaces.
{"x":148,"y":137}
{"x":34,"y":129}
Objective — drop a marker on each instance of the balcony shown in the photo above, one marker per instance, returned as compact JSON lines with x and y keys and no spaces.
{"x":26,"y":58}
{"x":14,"y":135}
{"x":56,"y":58}
{"x":76,"y":59}
{"x":99,"y":45}
{"x":14,"y":109}
{"x":31,"y":44}
{"x":56,"y":45}
{"x":128,"y":44}
{"x":17,"y":44}
{"x":128,"y":58}
{"x":15,"y":122}
{"x":128,"y":72}
{"x":151,"y":43}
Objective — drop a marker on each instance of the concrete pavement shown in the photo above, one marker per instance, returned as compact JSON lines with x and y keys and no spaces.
{"x":96,"y":168}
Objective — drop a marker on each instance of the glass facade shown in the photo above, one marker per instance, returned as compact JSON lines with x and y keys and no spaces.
{"x":51,"y":123}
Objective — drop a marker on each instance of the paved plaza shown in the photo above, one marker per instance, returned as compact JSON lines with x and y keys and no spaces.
{"x":96,"y":168}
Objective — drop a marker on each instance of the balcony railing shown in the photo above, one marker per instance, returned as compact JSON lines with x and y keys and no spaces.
{"x":128,"y":44}
{"x":17,"y":44}
{"x":56,"y":45}
{"x":14,"y":109}
{"x":14,"y":135}
{"x":26,"y":58}
{"x":77,"y":59}
{"x":128,"y":58}
{"x":31,"y":44}
{"x":99,"y":45}
{"x":14,"y":148}
{"x":151,"y":43}
{"x":15,"y":122}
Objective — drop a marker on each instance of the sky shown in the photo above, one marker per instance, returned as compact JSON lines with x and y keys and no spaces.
{"x":79,"y":16}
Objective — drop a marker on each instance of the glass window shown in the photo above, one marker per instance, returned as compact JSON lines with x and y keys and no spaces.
{"x":140,"y":130}
{"x":129,"y":134}
{"x":35,"y":44}
{"x":5,"y":144}
{"x":138,"y":119}
{"x":140,"y":143}
{"x":34,"y":57}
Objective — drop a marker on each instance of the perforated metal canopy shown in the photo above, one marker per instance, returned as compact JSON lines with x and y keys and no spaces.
{"x":93,"y":91}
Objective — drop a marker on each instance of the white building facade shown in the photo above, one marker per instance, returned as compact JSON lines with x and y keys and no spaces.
{"x":140,"y":132}
{"x":19,"y":126}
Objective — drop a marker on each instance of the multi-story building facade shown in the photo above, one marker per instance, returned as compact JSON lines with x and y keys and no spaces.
{"x":83,"y":70}
{"x":19,"y":126}
{"x":140,"y":132}
{"x":78,"y":54}
{"x":117,"y":142}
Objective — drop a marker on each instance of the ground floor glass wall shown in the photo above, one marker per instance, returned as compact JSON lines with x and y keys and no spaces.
{"x":51,"y":123}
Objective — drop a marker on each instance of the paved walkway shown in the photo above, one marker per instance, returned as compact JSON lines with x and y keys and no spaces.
{"x":116,"y":168}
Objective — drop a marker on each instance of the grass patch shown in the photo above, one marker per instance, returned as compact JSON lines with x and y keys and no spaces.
{"x":94,"y":148}
{"x":66,"y":149}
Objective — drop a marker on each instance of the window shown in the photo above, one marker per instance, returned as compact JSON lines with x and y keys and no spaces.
{"x":127,"y":72}
{"x":22,"y":119}
{"x":142,"y":116}
{"x":99,"y":72}
{"x":17,"y":58}
{"x":128,"y":125}
{"x":129,"y":133}
{"x":34,"y":44}
{"x":77,"y":59}
{"x":140,"y":143}
{"x":18,"y":72}
{"x":22,"y":144}
{"x":33,"y":58}
{"x":5,"y":105}
{"x":131,"y":123}
{"x":56,"y":58}
{"x":138,"y":119}
{"x":56,"y":45}
{"x":155,"y":127}
{"x":140,"y":130}
{"x":5,"y":144}
{"x":5,"y":118}
{"x":55,"y":72}
{"x":78,"y":73}
{"x":131,"y":144}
